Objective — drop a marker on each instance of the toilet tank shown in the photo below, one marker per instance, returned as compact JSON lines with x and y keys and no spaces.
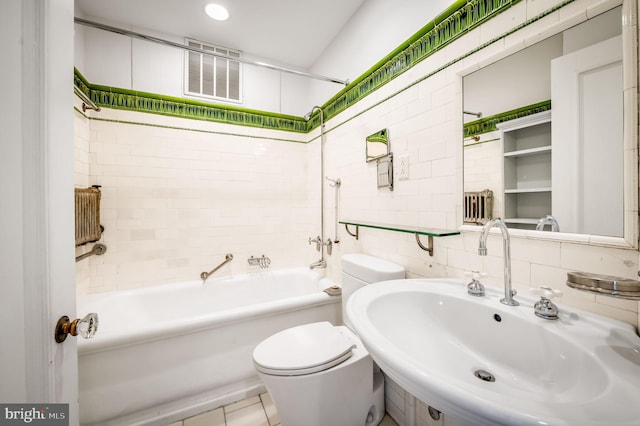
{"x":359,"y":270}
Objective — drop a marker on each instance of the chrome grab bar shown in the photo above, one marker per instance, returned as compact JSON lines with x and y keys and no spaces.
{"x":227,"y":258}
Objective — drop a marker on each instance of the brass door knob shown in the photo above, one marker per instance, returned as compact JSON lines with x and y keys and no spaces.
{"x":85,"y":327}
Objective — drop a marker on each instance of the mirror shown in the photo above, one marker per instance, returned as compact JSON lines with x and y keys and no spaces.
{"x":543,"y":131}
{"x":377,"y":145}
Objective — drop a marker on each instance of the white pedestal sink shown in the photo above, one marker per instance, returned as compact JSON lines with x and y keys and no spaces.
{"x":490,"y":364}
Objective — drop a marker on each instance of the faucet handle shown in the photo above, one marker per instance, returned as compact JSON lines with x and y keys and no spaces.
{"x":475,"y":288}
{"x":546,"y":292}
{"x":545,"y":308}
{"x":476,"y":274}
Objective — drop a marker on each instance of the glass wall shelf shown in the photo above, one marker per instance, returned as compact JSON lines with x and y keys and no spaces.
{"x":417,"y":231}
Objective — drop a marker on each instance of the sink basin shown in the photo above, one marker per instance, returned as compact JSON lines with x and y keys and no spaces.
{"x":486,"y":363}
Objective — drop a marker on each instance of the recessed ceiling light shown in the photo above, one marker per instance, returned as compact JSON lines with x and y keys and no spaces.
{"x":217,"y":12}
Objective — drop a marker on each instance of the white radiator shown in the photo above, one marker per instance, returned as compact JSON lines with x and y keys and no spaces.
{"x":87,"y":210}
{"x":478,"y":206}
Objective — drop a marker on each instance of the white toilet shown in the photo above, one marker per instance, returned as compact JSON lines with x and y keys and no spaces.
{"x":319,"y":374}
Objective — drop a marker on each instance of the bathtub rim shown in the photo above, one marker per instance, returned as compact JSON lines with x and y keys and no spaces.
{"x":185,"y":326}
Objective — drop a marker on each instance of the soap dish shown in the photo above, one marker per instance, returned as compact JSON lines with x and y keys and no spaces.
{"x":606,"y":285}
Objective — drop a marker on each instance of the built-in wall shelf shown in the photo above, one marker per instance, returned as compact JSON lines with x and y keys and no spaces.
{"x":528,"y":152}
{"x":527,"y":190}
{"x":527,"y":169}
{"x":417,"y":231}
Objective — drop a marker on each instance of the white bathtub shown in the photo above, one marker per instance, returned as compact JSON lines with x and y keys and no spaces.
{"x":171,"y":351}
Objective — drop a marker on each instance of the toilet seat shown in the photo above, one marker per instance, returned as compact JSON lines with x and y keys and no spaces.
{"x":304,"y":349}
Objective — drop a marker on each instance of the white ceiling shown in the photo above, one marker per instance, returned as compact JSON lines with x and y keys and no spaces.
{"x":285,"y":32}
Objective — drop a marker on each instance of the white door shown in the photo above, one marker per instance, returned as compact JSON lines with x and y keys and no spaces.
{"x":587,"y":140}
{"x":37,"y":268}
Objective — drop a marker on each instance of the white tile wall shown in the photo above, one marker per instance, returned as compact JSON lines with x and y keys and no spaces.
{"x":433,"y":190}
{"x":175,"y":201}
{"x":81,"y":180}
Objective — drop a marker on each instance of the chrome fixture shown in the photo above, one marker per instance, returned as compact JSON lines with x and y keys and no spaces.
{"x":319,"y":264}
{"x":85,"y":327}
{"x":477,"y":114}
{"x":263,"y":262}
{"x":319,"y":240}
{"x":86,"y":102}
{"x":548,"y":219}
{"x":475,"y":287}
{"x":482,"y":251}
{"x":98,"y":249}
{"x":545,"y":308}
{"x":157,"y":40}
{"x":335,"y":183}
{"x":329,"y":245}
{"x":227,"y":258}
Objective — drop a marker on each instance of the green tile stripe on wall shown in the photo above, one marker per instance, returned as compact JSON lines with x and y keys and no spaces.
{"x":488,"y":124}
{"x":185,"y":129}
{"x":117,"y":98}
{"x":461,"y":17}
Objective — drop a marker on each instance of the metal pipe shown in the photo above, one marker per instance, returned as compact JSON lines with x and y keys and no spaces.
{"x":98,"y":249}
{"x":152,"y":39}
{"x":477,"y":114}
{"x":227,"y":258}
{"x":321,"y":263}
{"x":86,"y":102}
{"x":335,"y":184}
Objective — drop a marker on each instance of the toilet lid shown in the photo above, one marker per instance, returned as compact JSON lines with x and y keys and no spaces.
{"x":302,"y":350}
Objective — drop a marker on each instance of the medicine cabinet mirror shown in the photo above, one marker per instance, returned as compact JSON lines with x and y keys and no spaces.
{"x":547,"y":134}
{"x":377,"y":145}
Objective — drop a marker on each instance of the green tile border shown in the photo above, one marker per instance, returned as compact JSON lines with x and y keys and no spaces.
{"x":187,"y":129}
{"x":459,"y":18}
{"x":488,"y":124}
{"x":450,"y":63}
{"x":132,"y":100}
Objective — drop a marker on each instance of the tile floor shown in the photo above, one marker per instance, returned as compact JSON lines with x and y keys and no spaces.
{"x":254,"y":411}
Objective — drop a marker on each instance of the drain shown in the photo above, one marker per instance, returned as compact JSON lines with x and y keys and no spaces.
{"x":484,"y":375}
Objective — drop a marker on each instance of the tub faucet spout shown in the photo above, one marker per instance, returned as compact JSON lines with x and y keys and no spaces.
{"x":482,"y":251}
{"x":319,"y":264}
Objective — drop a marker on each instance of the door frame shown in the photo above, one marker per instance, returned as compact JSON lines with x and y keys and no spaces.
{"x":37,"y":269}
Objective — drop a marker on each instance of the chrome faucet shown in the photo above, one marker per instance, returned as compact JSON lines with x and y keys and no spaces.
{"x":551,"y":221}
{"x":482,"y":251}
{"x":317,"y":241}
{"x":319,"y":264}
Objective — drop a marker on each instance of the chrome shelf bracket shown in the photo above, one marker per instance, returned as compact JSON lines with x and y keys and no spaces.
{"x":429,"y":247}
{"x":346,"y":226}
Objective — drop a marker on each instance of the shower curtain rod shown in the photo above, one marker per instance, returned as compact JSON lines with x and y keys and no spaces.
{"x":152,"y":39}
